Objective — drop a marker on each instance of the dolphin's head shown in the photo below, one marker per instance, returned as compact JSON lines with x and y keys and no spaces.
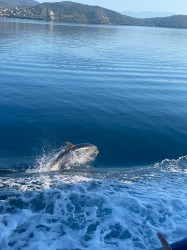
{"x":84,"y":153}
{"x":91,"y":150}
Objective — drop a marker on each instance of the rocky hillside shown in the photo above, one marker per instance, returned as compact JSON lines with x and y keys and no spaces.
{"x":76,"y":13}
{"x":71,"y":12}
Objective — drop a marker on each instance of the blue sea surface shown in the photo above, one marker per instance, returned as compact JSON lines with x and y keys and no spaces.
{"x":123,"y":89}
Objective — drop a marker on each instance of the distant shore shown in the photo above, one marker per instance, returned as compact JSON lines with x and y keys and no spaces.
{"x":71,"y":12}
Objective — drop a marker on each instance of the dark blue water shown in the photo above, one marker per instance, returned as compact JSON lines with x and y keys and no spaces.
{"x":124,"y":89}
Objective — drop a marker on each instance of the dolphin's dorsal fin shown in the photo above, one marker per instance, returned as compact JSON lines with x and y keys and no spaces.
{"x":69,"y":145}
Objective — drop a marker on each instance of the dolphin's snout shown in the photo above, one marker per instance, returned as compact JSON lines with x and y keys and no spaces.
{"x":96,"y":151}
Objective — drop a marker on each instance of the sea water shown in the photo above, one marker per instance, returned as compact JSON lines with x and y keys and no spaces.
{"x":123,"y":89}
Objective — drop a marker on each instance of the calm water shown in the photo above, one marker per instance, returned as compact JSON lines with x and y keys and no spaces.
{"x":123,"y":89}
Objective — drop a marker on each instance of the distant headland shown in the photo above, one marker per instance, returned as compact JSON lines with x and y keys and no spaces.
{"x":71,"y":12}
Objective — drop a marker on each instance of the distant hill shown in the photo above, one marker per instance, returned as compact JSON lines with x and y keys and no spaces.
{"x":79,"y":13}
{"x":146,"y":14}
{"x":16,"y":3}
{"x":70,"y":12}
{"x":178,"y":21}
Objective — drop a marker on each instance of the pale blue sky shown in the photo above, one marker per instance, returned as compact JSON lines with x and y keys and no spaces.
{"x":174,"y":6}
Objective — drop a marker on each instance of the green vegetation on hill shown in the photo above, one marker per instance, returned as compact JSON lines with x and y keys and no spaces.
{"x":178,"y":21}
{"x":79,"y":13}
{"x":71,"y":12}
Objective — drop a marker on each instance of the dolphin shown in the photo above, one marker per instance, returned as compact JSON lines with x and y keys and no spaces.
{"x":74,"y":155}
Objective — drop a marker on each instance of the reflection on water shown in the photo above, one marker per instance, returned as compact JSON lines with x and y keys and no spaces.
{"x":121,"y":88}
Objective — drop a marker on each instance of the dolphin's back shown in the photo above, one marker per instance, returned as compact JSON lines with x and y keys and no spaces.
{"x":82,"y":145}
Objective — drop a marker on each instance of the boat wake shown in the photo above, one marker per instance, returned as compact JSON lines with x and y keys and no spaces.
{"x":105,"y":209}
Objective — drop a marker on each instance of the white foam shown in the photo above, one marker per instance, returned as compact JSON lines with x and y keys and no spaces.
{"x":90,"y":211}
{"x":173,"y":165}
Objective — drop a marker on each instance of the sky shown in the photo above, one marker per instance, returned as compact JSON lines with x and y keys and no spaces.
{"x":173,"y":6}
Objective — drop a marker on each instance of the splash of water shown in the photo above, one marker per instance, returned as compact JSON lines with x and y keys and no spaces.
{"x":43,"y":162}
{"x":178,"y":165}
{"x":75,"y":160}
